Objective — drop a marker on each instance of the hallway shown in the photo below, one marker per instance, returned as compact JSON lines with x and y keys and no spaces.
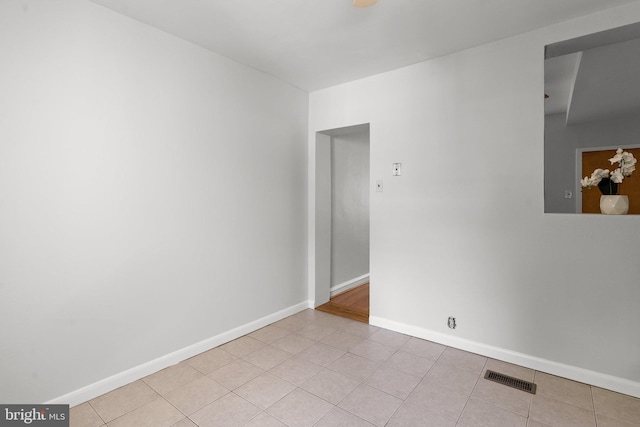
{"x":352,"y":304}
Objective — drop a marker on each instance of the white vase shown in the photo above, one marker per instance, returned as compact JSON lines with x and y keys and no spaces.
{"x":614,"y":205}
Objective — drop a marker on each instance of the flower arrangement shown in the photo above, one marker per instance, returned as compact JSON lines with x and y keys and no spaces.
{"x":608,"y":181}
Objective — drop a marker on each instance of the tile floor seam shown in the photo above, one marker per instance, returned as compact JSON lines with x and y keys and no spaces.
{"x":504,"y":406}
{"x":282,"y":398}
{"x":395,"y":412}
{"x":593,"y":403}
{"x":428,"y":370}
{"x":94,"y":410}
{"x":566,"y":403}
{"x":129,"y":412}
{"x":463,"y":409}
{"x":351,"y":412}
{"x":320,"y":397}
{"x":337,"y":404}
{"x":501,"y":407}
{"x":264,"y":411}
{"x":479,"y":376}
{"x":188,"y":417}
{"x":595,"y":414}
{"x":166,"y":400}
{"x":449,"y":387}
{"x":341,"y":408}
{"x":237,"y":395}
{"x":135,"y":407}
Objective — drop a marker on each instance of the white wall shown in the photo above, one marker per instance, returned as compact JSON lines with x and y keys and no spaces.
{"x":321,"y":250}
{"x":561,"y":142}
{"x":463,"y":232}
{"x":152,"y":195}
{"x":349,"y":207}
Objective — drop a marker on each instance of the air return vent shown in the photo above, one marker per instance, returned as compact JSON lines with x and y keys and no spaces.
{"x":510,"y":381}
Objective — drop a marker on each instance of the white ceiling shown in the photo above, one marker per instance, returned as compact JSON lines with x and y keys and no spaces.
{"x":595,"y":77}
{"x":313,"y":44}
{"x":559,"y":78}
{"x":608,"y":84}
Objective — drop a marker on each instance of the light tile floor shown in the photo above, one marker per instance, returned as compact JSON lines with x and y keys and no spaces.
{"x":316,"y":369}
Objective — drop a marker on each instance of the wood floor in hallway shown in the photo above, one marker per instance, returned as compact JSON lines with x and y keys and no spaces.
{"x":352,"y":304}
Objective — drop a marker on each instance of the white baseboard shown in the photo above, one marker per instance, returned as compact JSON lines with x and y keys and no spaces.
{"x":113,"y":382}
{"x":349,"y":284}
{"x":598,"y":379}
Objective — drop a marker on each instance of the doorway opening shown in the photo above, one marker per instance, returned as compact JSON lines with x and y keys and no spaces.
{"x":352,"y":304}
{"x":342,"y":221}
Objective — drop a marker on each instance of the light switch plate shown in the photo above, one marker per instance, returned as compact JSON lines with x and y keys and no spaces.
{"x":397,"y":169}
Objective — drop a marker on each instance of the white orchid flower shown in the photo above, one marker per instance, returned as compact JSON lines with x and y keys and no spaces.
{"x":617,"y":157}
{"x":625,"y":159}
{"x":627,"y":165}
{"x":598,"y":174}
{"x":586,"y":182}
{"x":628,"y":170}
{"x":628,"y":158}
{"x":595,"y":178}
{"x":616,"y":176}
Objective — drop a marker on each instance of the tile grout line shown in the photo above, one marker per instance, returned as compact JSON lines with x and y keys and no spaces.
{"x":98,"y":414}
{"x":593,"y":402}
{"x":174,"y":406}
{"x":470,"y":394}
{"x":362,"y":382}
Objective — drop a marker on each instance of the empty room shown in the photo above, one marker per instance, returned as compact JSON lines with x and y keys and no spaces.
{"x":183,"y":183}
